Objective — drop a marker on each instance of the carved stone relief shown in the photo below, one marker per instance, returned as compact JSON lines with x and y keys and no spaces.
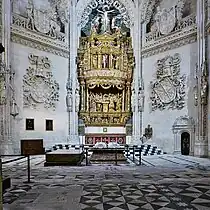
{"x":48,"y":18}
{"x":163,"y":16}
{"x":168,"y":24}
{"x":39,"y":87}
{"x":168,"y":91}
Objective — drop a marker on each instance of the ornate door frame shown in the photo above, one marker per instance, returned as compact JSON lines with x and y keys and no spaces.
{"x":183,"y":124}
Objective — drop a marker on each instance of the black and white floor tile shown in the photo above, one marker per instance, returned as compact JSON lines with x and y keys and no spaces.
{"x":144,"y":148}
{"x":146,"y":196}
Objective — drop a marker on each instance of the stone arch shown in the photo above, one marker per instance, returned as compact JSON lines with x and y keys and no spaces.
{"x":82,"y":5}
{"x":183,"y":124}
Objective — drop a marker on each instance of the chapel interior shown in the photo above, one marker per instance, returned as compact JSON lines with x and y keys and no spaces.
{"x":133,"y":72}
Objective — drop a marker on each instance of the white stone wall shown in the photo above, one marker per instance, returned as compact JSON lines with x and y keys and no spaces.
{"x":162,"y":121}
{"x":59,"y":68}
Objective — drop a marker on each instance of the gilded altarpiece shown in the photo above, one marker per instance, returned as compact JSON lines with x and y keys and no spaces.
{"x":105,"y":69}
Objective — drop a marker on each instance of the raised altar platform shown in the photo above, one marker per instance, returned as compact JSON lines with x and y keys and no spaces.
{"x":64,"y":157}
{"x":107,"y":155}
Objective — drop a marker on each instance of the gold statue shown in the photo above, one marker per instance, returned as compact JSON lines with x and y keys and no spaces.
{"x":111,"y":105}
{"x":95,"y":61}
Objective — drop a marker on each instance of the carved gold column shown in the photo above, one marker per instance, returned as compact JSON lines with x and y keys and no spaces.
{"x":99,"y":61}
{"x":123,"y":100}
{"x":82,"y":96}
{"x":87,"y":100}
{"x":128,"y":95}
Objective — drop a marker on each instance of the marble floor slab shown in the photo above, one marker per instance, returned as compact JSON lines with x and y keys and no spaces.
{"x":108,"y":187}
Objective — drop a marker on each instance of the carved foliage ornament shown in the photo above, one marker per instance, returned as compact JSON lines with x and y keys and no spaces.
{"x":38,"y":84}
{"x":169,"y":88}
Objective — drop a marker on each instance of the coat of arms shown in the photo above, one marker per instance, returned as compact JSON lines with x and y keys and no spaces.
{"x":39,"y":87}
{"x":169,"y":89}
{"x":167,"y":20}
{"x":42,"y":20}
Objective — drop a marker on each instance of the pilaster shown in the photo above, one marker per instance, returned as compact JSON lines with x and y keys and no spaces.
{"x":73,"y":137}
{"x":137,"y":77}
{"x":201,"y":141}
{"x":6,"y":120}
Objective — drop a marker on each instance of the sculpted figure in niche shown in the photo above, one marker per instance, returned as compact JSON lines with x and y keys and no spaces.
{"x":95,"y":61}
{"x":92,"y":103}
{"x":92,"y":106}
{"x":54,"y":27}
{"x":115,"y":19}
{"x":69,"y":101}
{"x":140,"y":101}
{"x":111,"y":105}
{"x":105,"y":61}
{"x":77,"y":99}
{"x":99,"y":107}
{"x":204,"y":88}
{"x":118,"y":105}
{"x":30,"y":17}
{"x":115,"y":62}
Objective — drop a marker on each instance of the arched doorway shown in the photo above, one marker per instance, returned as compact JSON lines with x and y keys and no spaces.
{"x":185,"y":143}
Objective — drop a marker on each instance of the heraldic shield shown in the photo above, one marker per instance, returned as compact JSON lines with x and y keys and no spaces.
{"x":165,"y":90}
{"x":167,"y":21}
{"x":42,"y":21}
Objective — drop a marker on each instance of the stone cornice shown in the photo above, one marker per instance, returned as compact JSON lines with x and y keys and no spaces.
{"x":170,"y":42}
{"x":34,"y":40}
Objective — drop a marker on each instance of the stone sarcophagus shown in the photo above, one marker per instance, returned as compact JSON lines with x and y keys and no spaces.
{"x":105,"y":69}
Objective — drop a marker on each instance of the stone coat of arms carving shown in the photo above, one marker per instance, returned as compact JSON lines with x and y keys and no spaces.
{"x":165,"y":19}
{"x":42,"y":20}
{"x":169,"y":88}
{"x":38,"y":84}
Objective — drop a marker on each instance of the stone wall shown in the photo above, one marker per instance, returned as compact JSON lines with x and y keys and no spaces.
{"x":163,"y":120}
{"x":59,"y":69}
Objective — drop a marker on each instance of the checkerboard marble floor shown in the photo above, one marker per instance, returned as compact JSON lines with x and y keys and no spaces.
{"x":146,"y":196}
{"x":107,"y":187}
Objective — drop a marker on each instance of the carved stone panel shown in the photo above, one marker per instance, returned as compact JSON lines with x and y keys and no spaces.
{"x":168,"y":91}
{"x":48,"y":19}
{"x":39,"y":87}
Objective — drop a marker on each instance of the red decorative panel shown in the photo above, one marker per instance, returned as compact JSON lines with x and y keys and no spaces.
{"x":94,"y":138}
